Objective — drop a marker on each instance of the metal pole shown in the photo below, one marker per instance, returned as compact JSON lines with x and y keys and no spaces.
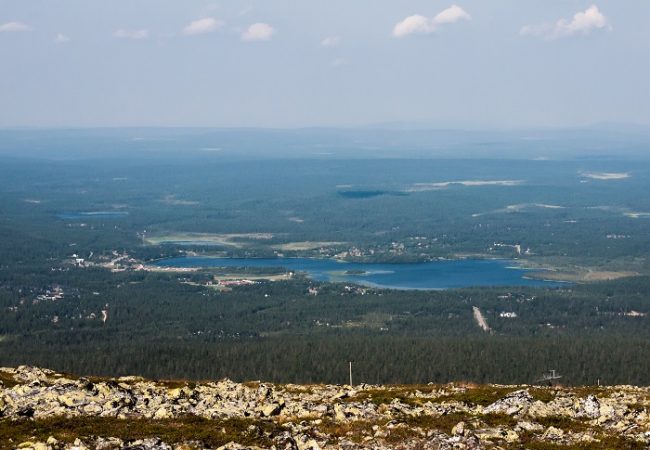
{"x":350,"y":373}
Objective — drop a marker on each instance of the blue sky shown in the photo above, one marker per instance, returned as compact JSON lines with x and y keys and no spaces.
{"x":276,"y":63}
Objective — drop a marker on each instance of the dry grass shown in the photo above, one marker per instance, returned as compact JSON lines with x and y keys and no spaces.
{"x":8,"y":380}
{"x":212,"y":433}
{"x":478,"y":395}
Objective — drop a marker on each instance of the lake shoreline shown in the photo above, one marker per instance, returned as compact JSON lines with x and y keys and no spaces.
{"x":429,"y":275}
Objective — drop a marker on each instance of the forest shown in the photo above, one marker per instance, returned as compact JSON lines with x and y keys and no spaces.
{"x":63,"y":305}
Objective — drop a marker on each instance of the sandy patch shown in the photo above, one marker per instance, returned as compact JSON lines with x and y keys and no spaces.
{"x":520,"y":207}
{"x":172,"y":200}
{"x":258,"y":277}
{"x":480,"y":319}
{"x":422,"y":187}
{"x":306,"y":245}
{"x":170,"y":269}
{"x":236,"y":240}
{"x":636,"y":215}
{"x":603,"y":275}
{"x":581,"y":275}
{"x":605,"y":175}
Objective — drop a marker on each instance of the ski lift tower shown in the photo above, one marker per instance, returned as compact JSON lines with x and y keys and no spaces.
{"x":549,"y":378}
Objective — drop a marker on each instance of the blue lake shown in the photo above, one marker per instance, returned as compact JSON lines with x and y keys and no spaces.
{"x":92,"y":215}
{"x":444,"y":274}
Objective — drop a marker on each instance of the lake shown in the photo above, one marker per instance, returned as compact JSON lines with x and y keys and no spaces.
{"x":444,"y":274}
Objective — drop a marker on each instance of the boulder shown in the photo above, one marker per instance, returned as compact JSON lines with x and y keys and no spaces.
{"x":517,"y":402}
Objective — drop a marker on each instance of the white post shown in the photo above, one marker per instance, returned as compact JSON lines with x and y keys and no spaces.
{"x":350,"y":373}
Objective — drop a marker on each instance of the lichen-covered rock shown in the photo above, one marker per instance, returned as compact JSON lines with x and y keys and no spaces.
{"x":517,"y":402}
{"x":325,"y":416}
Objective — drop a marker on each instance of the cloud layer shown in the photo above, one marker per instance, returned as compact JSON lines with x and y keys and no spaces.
{"x":582,"y":23}
{"x":418,"y":24}
{"x":258,"y":32}
{"x":131,"y":34}
{"x":331,"y":41}
{"x":202,"y":26}
{"x":61,"y":38}
{"x":13,"y":27}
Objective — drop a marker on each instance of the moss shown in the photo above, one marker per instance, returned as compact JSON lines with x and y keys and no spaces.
{"x":213,"y":433}
{"x":297,"y":390}
{"x":565,"y":423}
{"x":404,"y":393}
{"x":442,"y":423}
{"x":407,"y":427}
{"x":8,"y":380}
{"x":480,"y":395}
{"x":498,"y":420}
{"x":354,"y":430}
{"x":605,"y":442}
{"x":174,"y":384}
{"x":638,"y":407}
{"x":543,"y":394}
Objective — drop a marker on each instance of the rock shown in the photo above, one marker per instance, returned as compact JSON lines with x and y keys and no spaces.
{"x":163,"y":413}
{"x":271,"y":410}
{"x":511,"y":436}
{"x":78,"y":445}
{"x":458,"y":429}
{"x":303,"y":442}
{"x":514,"y":403}
{"x":110,"y":443}
{"x":488,"y":434}
{"x":380,"y":433}
{"x":552,"y":434}
{"x":92,"y":409}
{"x":591,"y":407}
{"x":29,"y":445}
{"x":307,"y":417}
{"x":339,"y":414}
{"x":529,"y":426}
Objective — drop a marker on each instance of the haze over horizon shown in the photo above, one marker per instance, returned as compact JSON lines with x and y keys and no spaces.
{"x":281,"y":64}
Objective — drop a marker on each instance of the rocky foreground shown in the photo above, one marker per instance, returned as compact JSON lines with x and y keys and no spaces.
{"x":41,"y":409}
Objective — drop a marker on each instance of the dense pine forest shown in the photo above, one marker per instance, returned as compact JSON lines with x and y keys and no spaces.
{"x":78,"y":292}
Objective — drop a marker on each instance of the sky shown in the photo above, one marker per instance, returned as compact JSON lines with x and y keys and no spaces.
{"x":285,"y":64}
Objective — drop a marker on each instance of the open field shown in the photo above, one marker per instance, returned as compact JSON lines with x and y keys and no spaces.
{"x":237,"y":240}
{"x":605,"y":175}
{"x":257,"y":277}
{"x":423,"y":187}
{"x":172,"y":200}
{"x":570,"y":270}
{"x":582,"y":276}
{"x":306,"y":245}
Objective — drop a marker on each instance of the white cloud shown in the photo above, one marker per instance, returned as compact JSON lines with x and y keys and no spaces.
{"x":61,"y":38}
{"x":583,"y":22}
{"x":330,"y":41}
{"x":338,"y":62}
{"x":246,"y":11}
{"x":451,"y":15}
{"x":415,"y":24}
{"x":258,"y":32}
{"x":418,"y":24}
{"x":131,"y":34}
{"x":13,"y":27}
{"x":202,"y":26}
